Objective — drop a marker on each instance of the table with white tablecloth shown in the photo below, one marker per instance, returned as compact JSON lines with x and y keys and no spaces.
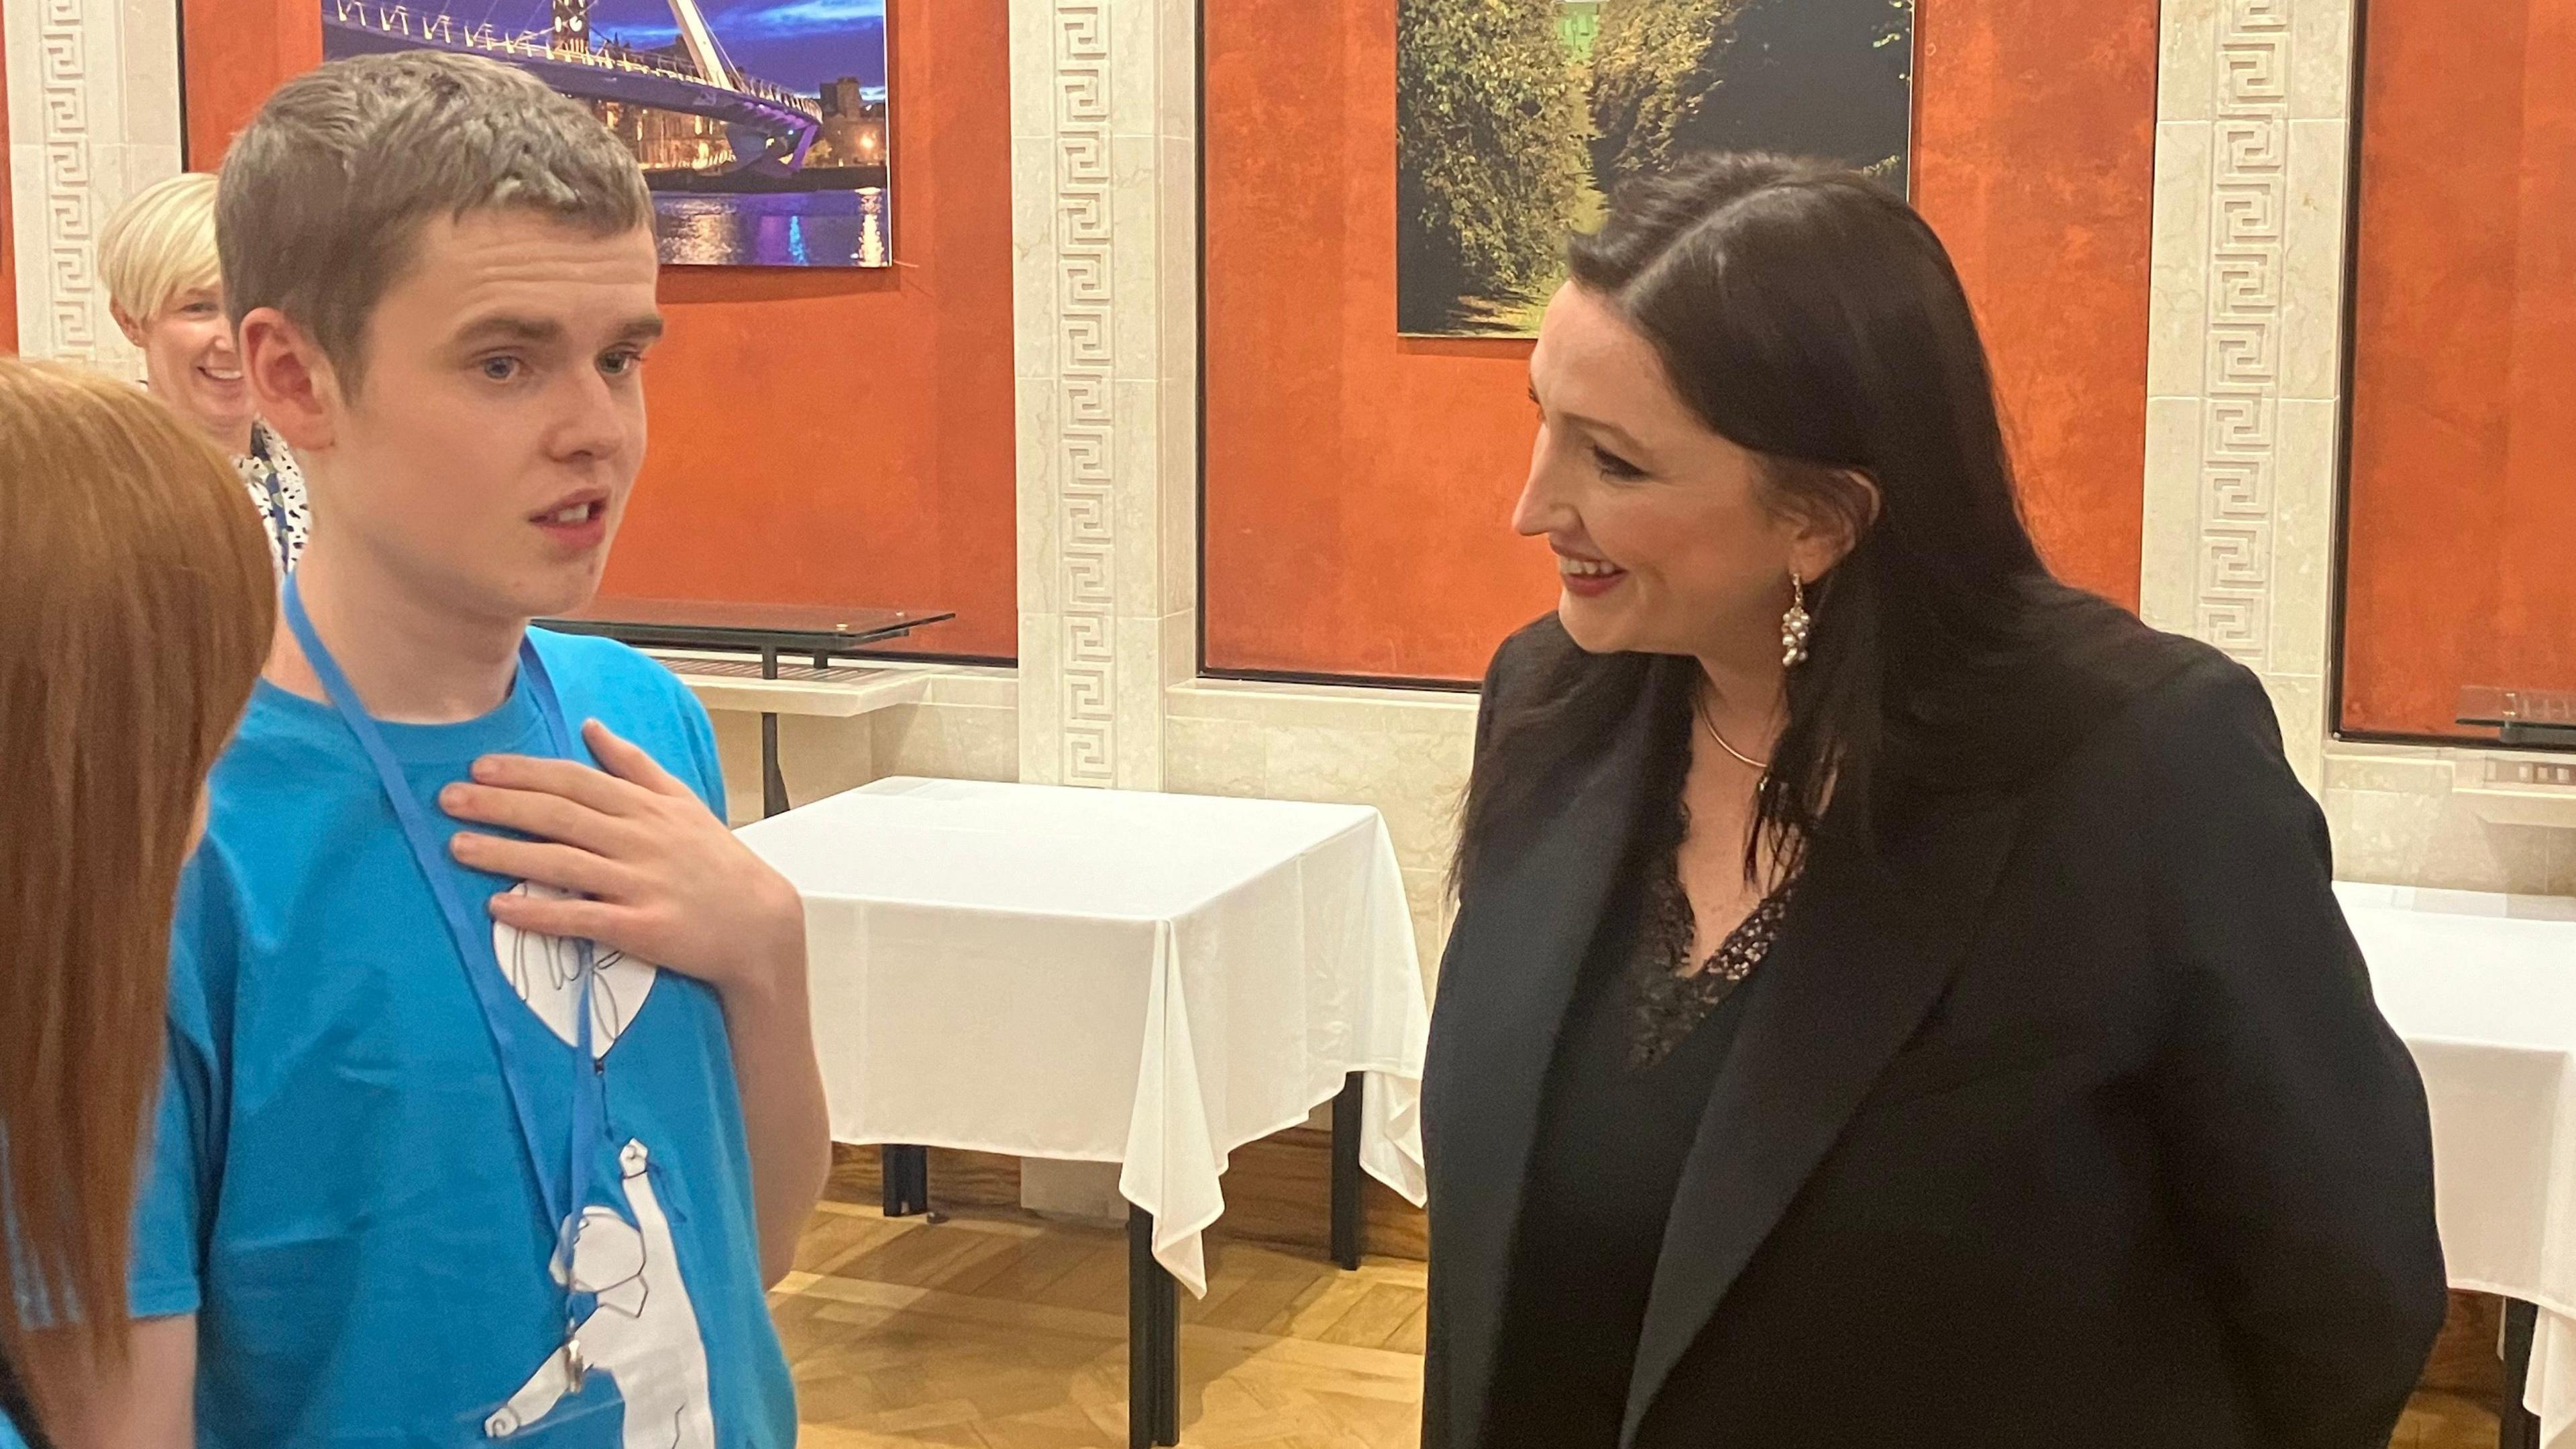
{"x":2483,"y":990}
{"x":1110,"y":976}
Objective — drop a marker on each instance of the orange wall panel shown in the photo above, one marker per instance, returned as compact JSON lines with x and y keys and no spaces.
{"x":830,"y":437}
{"x":1359,"y":485}
{"x":2460,"y":512}
{"x":236,"y":52}
{"x":2034,"y":157}
{"x":847,"y":437}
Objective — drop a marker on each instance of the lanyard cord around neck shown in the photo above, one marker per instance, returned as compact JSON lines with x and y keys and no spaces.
{"x":474,"y":947}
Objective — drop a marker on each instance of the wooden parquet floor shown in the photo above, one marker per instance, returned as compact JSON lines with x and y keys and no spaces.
{"x":996,"y":1330}
{"x":2438,"y":1419}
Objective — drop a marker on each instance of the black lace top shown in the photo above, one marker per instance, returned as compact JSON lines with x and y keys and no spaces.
{"x":1641,"y":1047}
{"x":1672,"y":995}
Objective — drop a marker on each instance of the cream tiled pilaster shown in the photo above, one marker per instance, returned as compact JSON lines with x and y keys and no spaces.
{"x":1104,"y":228}
{"x":93,"y":118}
{"x":2244,"y":357}
{"x":2244,"y":376}
{"x":1104,"y":232}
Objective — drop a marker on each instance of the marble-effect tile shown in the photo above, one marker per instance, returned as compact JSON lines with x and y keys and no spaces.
{"x":2302,"y":576}
{"x":2312,"y":260}
{"x":2321,"y":59}
{"x":2178,"y":266}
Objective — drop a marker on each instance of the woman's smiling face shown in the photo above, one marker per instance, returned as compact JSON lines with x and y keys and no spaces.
{"x":1665,"y":538}
{"x":188,"y":359}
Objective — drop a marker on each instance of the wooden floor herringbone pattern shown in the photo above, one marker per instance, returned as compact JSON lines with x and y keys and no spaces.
{"x":993,"y":1329}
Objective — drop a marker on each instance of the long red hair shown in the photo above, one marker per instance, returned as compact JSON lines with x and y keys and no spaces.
{"x":136,"y":606}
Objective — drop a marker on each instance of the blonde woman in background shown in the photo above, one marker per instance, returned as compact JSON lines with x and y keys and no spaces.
{"x":140,"y":605}
{"x":167,"y":292}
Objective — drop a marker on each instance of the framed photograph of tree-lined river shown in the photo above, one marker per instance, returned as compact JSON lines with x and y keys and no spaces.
{"x":1515,"y":119}
{"x":761,"y":125}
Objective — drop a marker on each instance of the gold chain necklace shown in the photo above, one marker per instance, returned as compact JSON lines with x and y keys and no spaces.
{"x":1741,"y":758}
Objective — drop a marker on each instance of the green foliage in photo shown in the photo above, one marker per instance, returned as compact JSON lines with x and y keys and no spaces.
{"x":1489,"y":148}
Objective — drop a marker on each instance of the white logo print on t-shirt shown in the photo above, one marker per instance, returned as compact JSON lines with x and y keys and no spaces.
{"x":643,"y":1332}
{"x":543,"y":970}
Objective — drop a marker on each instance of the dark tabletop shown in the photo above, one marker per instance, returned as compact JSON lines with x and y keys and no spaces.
{"x":692,"y":623}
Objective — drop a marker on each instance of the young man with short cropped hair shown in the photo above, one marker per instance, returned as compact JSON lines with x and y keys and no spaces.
{"x":434,"y":1168}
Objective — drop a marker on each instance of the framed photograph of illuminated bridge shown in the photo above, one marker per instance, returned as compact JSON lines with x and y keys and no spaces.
{"x":761,"y":125}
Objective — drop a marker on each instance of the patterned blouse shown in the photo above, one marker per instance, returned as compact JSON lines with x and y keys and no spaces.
{"x":276,"y":487}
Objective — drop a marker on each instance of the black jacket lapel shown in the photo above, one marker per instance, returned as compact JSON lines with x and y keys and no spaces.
{"x":1868,"y":948}
{"x":1515,"y":954}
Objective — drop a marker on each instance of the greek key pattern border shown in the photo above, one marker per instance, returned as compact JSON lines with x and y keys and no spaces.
{"x":1086,"y":461}
{"x":2241,"y":369}
{"x":71,"y":202}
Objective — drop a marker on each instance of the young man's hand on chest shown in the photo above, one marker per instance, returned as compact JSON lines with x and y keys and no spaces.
{"x":653,"y":872}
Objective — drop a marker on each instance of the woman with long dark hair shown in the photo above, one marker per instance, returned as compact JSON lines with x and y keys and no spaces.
{"x":1896,"y":998}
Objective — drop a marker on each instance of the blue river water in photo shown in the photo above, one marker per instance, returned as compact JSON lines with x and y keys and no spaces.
{"x":772,"y":229}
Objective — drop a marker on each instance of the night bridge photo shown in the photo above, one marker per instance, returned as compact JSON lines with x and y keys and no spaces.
{"x":762,"y":125}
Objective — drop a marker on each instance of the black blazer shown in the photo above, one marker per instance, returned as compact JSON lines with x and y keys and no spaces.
{"x":2069,"y":1120}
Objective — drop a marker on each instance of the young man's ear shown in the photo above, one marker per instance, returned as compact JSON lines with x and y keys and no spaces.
{"x":292,"y":383}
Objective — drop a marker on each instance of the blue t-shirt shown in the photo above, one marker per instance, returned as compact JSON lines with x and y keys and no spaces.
{"x":340,"y":1188}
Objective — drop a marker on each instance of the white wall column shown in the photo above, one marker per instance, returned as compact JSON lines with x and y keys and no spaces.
{"x":1104,"y":231}
{"x":2244,"y":380}
{"x":2245,"y":352}
{"x":1104,"y":114}
{"x":93,"y":118}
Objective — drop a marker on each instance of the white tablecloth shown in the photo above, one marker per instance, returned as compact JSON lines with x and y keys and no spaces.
{"x":1107,"y":976}
{"x":2483,"y":989}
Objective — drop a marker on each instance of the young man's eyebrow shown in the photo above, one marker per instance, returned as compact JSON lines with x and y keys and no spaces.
{"x":507,"y":328}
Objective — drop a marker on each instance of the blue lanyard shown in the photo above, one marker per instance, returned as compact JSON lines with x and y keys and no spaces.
{"x":474,"y":945}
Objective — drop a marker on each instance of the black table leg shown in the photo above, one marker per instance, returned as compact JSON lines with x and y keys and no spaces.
{"x":906,"y":1171}
{"x":773,"y":784}
{"x":1349,"y":1222}
{"x":1153,"y":1341}
{"x":2516,"y":1426}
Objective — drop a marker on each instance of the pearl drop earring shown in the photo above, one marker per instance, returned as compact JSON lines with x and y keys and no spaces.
{"x":1795,"y":625}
